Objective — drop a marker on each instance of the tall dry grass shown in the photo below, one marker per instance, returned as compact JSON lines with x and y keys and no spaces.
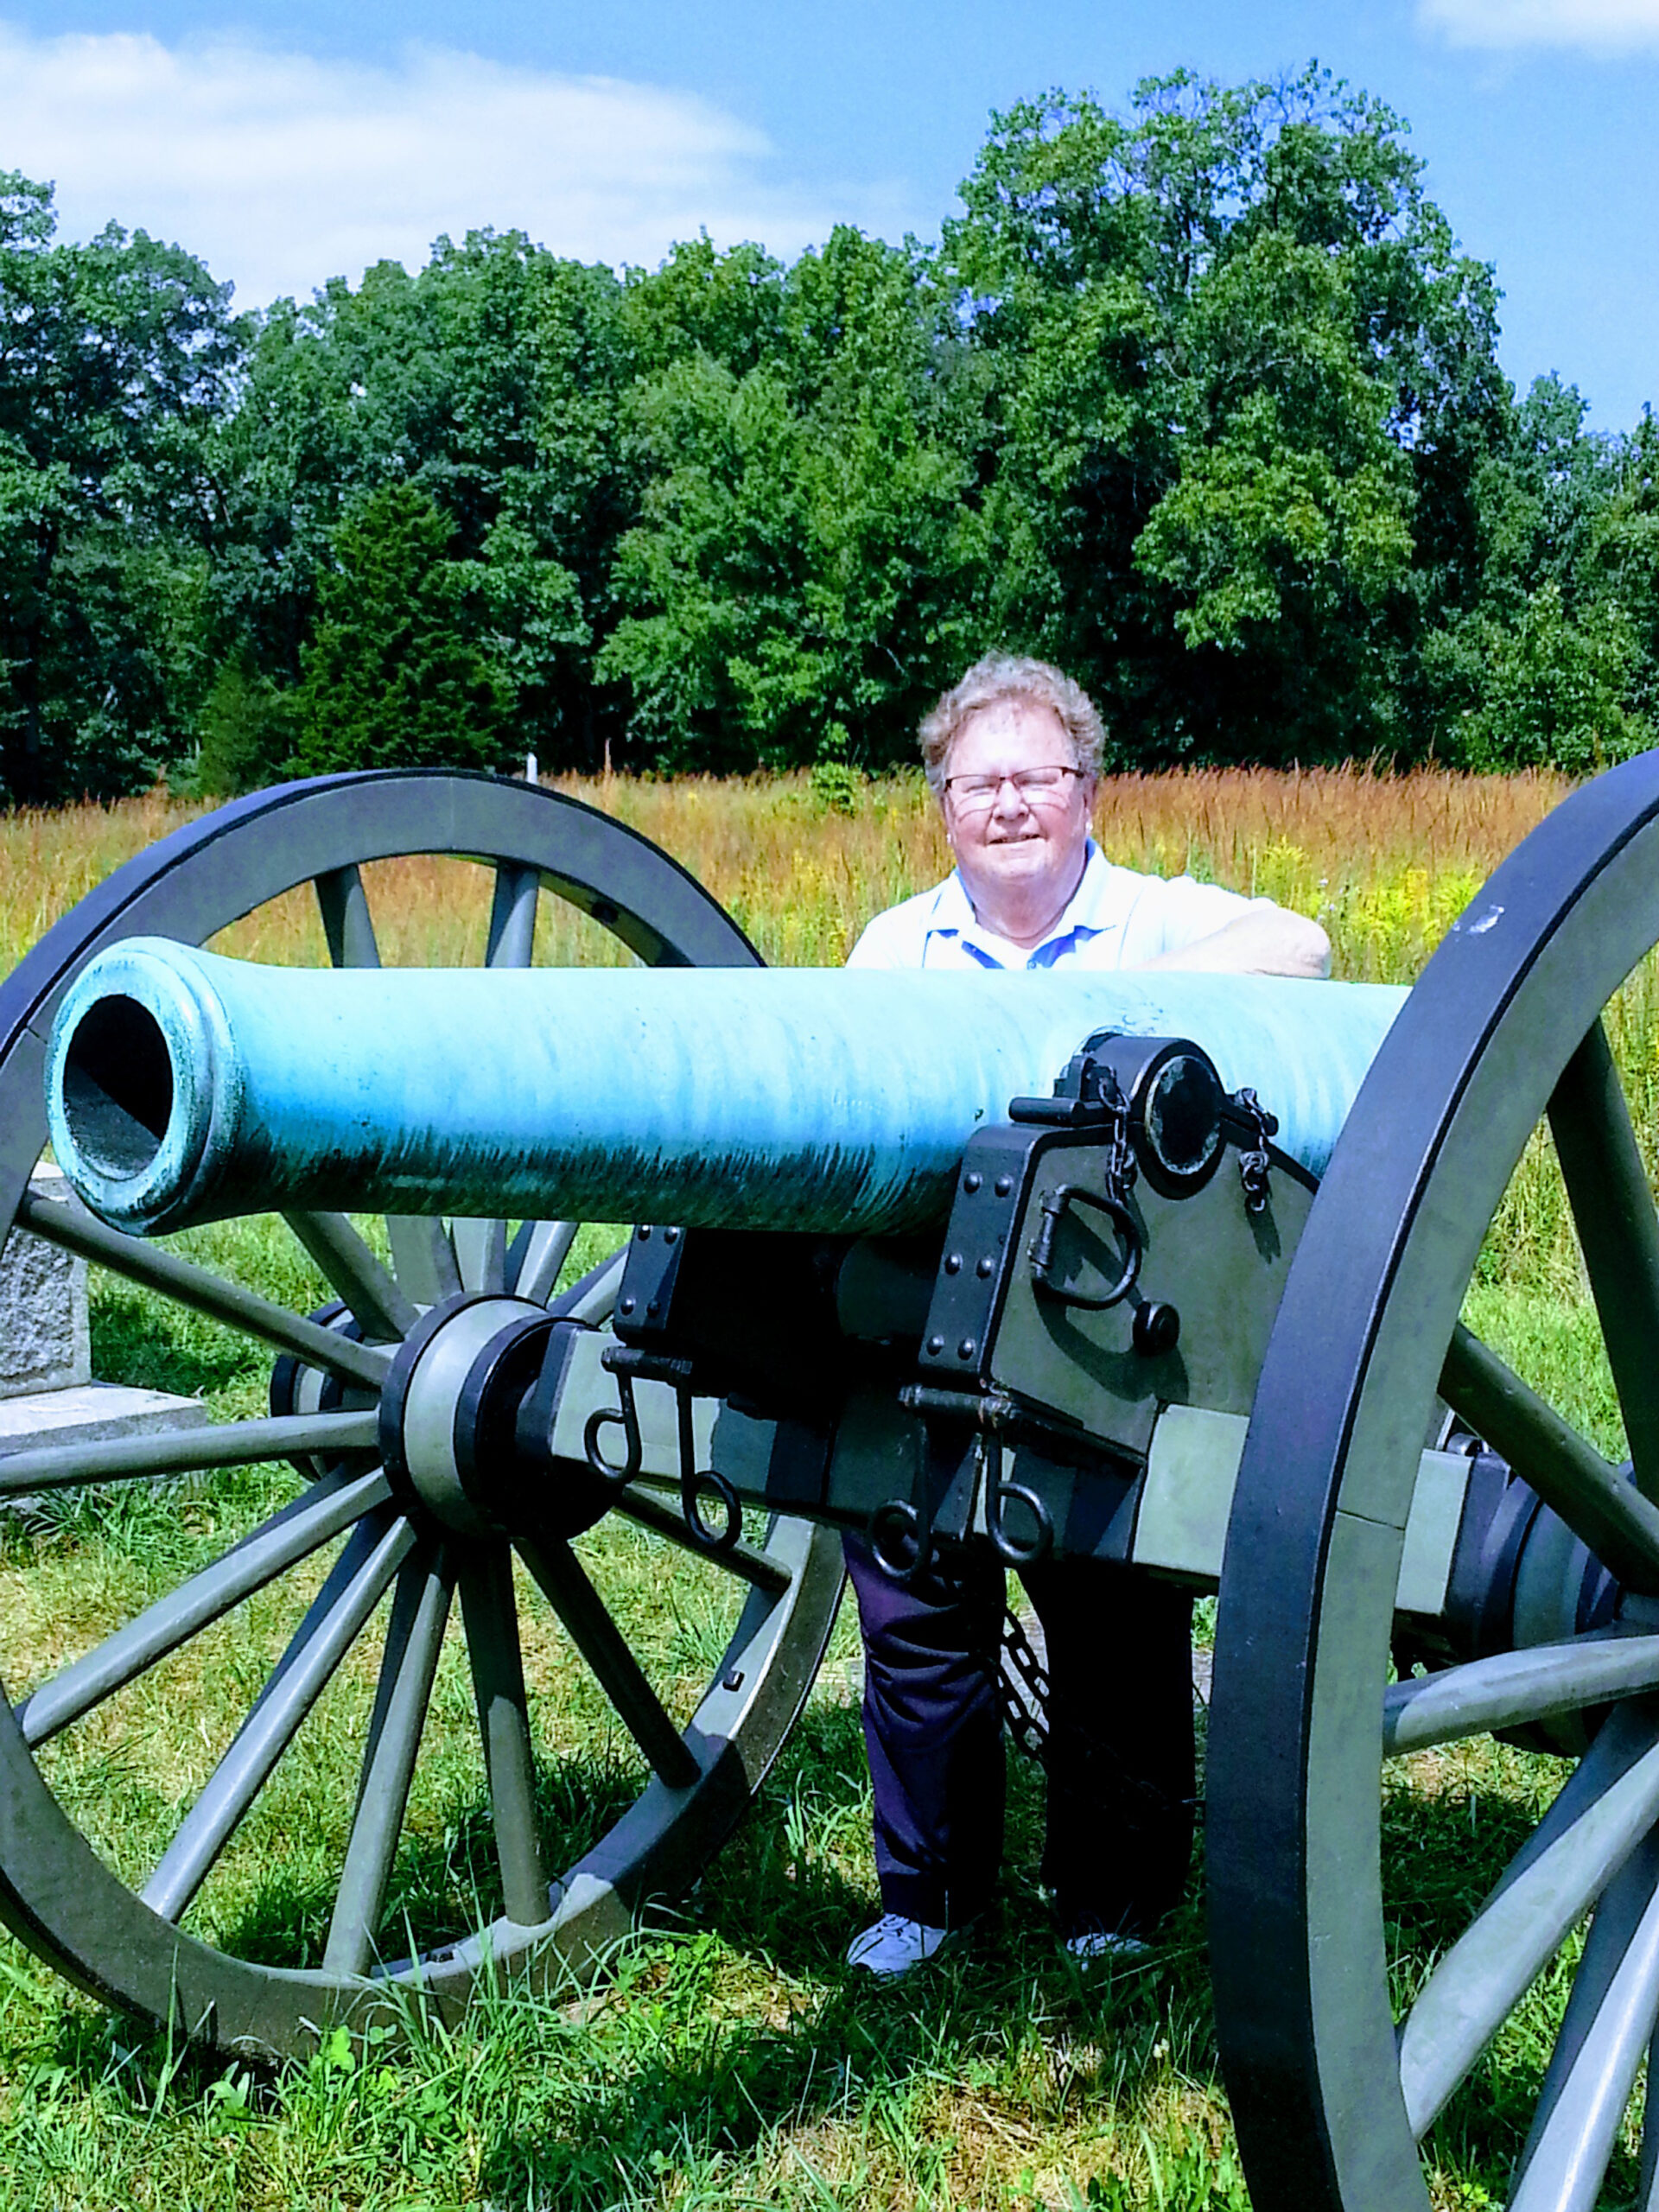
{"x":1386,"y":862}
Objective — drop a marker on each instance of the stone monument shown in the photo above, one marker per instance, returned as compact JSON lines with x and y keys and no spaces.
{"x":46,"y":1392}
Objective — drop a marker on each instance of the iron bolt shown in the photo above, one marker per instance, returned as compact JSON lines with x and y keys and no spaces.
{"x":1157,"y":1328}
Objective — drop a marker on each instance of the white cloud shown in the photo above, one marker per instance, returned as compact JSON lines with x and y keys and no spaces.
{"x":280,"y":170}
{"x":1597,"y":26}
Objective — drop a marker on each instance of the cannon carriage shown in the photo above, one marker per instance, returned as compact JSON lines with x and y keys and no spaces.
{"x":1170,"y":1276}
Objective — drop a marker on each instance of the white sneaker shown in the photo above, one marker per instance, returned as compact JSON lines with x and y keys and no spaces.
{"x":895,"y":1946}
{"x":1097,"y":1943}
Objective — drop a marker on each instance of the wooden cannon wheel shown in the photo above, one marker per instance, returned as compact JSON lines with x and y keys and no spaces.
{"x":373,"y":1624}
{"x":1335,"y":2071}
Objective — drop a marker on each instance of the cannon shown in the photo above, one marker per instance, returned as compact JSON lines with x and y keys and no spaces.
{"x":1162,"y":1271}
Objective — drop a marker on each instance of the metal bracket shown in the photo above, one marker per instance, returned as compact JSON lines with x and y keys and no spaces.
{"x":628,"y":1365}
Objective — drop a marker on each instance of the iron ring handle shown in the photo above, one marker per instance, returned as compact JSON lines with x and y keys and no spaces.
{"x":627,"y":1418}
{"x":1008,"y":1548}
{"x":692,"y":1487}
{"x":901,"y":1516}
{"x":1042,"y":1251}
{"x":695,"y":1482}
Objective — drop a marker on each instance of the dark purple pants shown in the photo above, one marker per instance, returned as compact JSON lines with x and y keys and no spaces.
{"x":1119,"y":1756}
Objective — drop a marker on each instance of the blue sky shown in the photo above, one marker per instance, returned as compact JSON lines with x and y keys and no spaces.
{"x":289,"y":143}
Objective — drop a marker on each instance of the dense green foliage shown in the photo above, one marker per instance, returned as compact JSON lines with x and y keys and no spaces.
{"x":1200,"y":400}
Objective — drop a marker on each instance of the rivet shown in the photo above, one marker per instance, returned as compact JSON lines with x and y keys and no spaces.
{"x":626,"y":1306}
{"x":953,"y":1263}
{"x":983,"y":1266}
{"x":972,"y":1182}
{"x":645,"y":1232}
{"x":1004,"y":1184}
{"x":733,"y":1680}
{"x":965,"y":1348}
{"x":936,"y":1345}
{"x":653,"y":1306}
{"x":670,"y":1236}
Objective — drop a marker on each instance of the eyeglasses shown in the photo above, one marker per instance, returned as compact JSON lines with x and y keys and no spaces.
{"x":1037,"y":786}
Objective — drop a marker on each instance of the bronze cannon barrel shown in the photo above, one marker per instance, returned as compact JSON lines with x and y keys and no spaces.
{"x":183,"y":1087}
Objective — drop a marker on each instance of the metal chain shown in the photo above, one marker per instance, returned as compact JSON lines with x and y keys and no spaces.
{"x":1023,"y":1684}
{"x":1253,"y":1165}
{"x":1120,"y":1167}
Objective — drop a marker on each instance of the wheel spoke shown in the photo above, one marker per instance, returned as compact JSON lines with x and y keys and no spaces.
{"x":325,"y":1509}
{"x":595,"y":1296}
{"x":491,"y":1614}
{"x":423,"y":1258}
{"x":756,"y":1566}
{"x":1609,"y":2017}
{"x":67,"y":1223}
{"x":414,"y":1639}
{"x":187,"y":1451}
{"x":1514,"y":1688}
{"x":347,"y":923}
{"x":512,"y":917}
{"x":1603,"y":1809}
{"x":1618,"y":1234}
{"x":1611,"y":1515}
{"x":481,"y":1253}
{"x":357,"y":1275}
{"x":360,"y":1576}
{"x":421,"y":1255}
{"x":596,"y":1636}
{"x":539,"y":1251}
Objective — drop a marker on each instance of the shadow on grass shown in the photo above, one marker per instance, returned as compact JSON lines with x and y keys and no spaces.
{"x":679,"y":2076}
{"x":443,"y":1886}
{"x":730,"y":2048}
{"x":153,"y":1347}
{"x":1011,"y":2024}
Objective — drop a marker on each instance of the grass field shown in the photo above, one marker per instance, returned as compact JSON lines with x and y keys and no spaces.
{"x":728,"y":2061}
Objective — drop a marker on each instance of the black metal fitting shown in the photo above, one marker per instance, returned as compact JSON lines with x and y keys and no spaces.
{"x":1055,"y":1206}
{"x":1247,"y":1112}
{"x":1156,"y":1328}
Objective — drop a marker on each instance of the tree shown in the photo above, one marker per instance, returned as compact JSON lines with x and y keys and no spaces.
{"x":491,"y":383}
{"x":808,"y":565}
{"x":116,"y":360}
{"x":393,"y":678}
{"x":1232,"y":357}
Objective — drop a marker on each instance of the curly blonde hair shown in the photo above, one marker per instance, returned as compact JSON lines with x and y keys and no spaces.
{"x":1008,"y":676}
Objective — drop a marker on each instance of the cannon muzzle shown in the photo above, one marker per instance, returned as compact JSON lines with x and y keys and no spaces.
{"x":184,"y":1087}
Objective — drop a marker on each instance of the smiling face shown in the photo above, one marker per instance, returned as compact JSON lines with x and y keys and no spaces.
{"x":1020,"y":858}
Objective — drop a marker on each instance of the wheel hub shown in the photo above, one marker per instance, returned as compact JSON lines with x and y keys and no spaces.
{"x":454,"y":1434}
{"x":443,"y":1434}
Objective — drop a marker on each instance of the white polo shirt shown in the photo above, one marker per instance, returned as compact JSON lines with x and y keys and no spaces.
{"x":1116,"y":918}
